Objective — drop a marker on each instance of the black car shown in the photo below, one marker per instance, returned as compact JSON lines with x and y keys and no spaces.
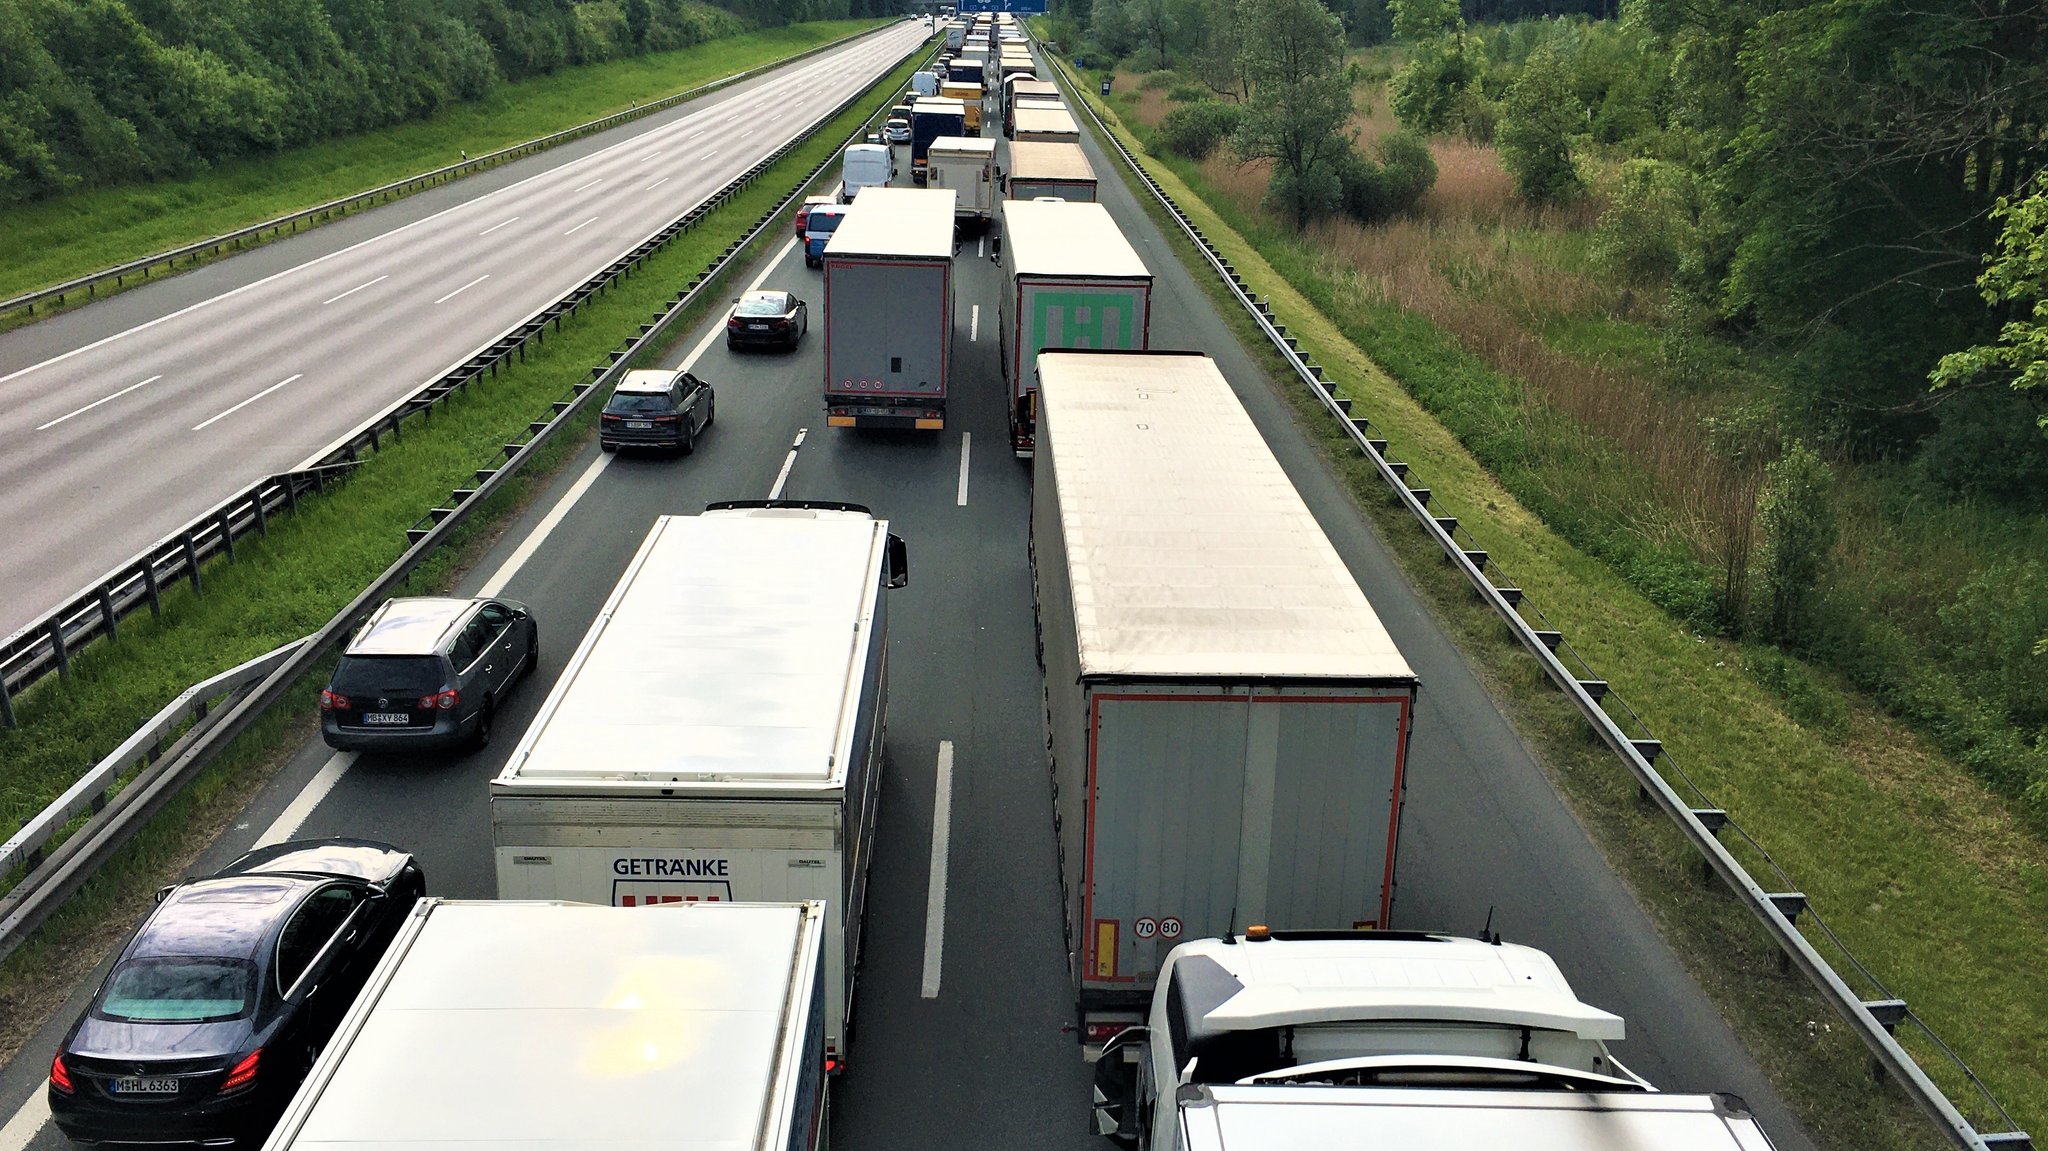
{"x":215,"y":1009}
{"x":657,"y":409}
{"x":777,"y":318}
{"x":427,"y":672}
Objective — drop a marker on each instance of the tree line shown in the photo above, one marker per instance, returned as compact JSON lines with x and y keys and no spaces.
{"x":97,"y":92}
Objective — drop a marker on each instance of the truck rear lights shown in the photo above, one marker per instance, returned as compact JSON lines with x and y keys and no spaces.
{"x":332,"y":700}
{"x":243,"y":1074}
{"x":441,"y":700}
{"x":60,"y":1076}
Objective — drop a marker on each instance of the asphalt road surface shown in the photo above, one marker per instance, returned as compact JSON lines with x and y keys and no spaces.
{"x":989,"y":1060}
{"x":119,"y":425}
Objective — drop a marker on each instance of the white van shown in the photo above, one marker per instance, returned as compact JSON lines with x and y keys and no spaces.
{"x":865,"y":166}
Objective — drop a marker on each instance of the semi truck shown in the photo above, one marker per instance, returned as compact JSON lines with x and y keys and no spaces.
{"x":1228,"y":719}
{"x":1070,"y":280}
{"x":718,"y":734}
{"x":968,"y":93}
{"x":889,"y":311}
{"x":956,"y":35}
{"x":931,"y":118}
{"x":1355,"y":1041}
{"x":1018,"y":90}
{"x":1059,"y":170}
{"x":1047,"y":123}
{"x":967,"y":165}
{"x":493,"y":1023}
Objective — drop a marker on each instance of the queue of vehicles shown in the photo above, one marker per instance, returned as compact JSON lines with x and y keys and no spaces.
{"x":682,"y":836}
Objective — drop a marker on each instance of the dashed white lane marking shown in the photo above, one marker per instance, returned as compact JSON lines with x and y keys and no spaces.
{"x":650,"y":155}
{"x":974,"y":324}
{"x":386,"y":276}
{"x":463,"y":288}
{"x":592,"y":184}
{"x":935,"y":891}
{"x":573,"y":231}
{"x":657,"y":183}
{"x":788,"y":463}
{"x":966,"y":450}
{"x":496,"y":226}
{"x":98,"y":402}
{"x":203,"y":424}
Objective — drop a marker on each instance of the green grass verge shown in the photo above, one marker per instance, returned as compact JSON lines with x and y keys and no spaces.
{"x":1922,"y":872}
{"x":60,"y":239}
{"x":310,"y":565}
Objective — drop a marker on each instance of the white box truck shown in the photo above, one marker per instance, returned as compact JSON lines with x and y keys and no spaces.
{"x":1228,"y":718}
{"x":1028,"y":94}
{"x":967,"y":165}
{"x":889,"y":310}
{"x":1373,"y":1040}
{"x":1070,"y":280}
{"x":718,"y":733}
{"x":1048,"y":122}
{"x":1040,"y":169}
{"x":544,"y":1024}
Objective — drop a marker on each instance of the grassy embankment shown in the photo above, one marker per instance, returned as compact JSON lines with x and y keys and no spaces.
{"x":1928,"y":877}
{"x":288,"y":583}
{"x":56,"y":240}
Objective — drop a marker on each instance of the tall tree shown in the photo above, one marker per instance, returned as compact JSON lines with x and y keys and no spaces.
{"x":1443,"y":62}
{"x":1293,"y":59}
{"x":1538,"y":119}
{"x":2015,"y":284}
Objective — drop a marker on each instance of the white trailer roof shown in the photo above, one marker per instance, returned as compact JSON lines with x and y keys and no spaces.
{"x":897,"y":222}
{"x":963,"y":146}
{"x":1068,"y":238}
{"x":728,"y":653}
{"x":1049,"y":160}
{"x":1189,"y":551}
{"x":569,"y":1027}
{"x":1032,"y":117}
{"x":1372,"y":1118}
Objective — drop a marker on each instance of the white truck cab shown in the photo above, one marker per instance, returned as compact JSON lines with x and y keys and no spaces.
{"x":1378,"y":1039}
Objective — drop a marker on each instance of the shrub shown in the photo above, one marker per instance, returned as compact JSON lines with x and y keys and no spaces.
{"x":1992,"y":629}
{"x":1194,"y":130}
{"x":1375,"y":190}
{"x":1305,"y":195}
{"x":1648,"y":228}
{"x":1186,"y":93}
{"x":1538,"y":117}
{"x":1797,"y":515}
{"x":1154,"y":81}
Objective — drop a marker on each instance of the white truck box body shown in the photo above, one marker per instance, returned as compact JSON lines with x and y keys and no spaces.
{"x":557,"y":1026}
{"x":1033,"y":122}
{"x":863,"y":166}
{"x":1229,"y":719}
{"x":1348,"y":1119}
{"x":889,"y":310}
{"x":717,"y":735}
{"x":1038,"y":168}
{"x":967,"y":165}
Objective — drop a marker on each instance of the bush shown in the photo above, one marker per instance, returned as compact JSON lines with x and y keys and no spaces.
{"x":1154,"y":81}
{"x":1307,"y":195}
{"x":1643,"y":237}
{"x":1797,"y":515}
{"x":1195,"y":130}
{"x":1375,"y":191}
{"x":1986,"y":444}
{"x":1538,"y":118}
{"x":1186,"y":93}
{"x":1992,"y":628}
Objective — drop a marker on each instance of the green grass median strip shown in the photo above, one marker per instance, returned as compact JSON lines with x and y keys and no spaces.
{"x":60,"y":239}
{"x":312,"y":563}
{"x":1928,"y":879}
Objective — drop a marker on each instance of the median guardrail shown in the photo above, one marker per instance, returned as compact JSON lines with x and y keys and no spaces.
{"x":1874,"y":1018}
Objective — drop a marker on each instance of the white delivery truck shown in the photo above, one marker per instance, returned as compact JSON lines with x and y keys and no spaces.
{"x":1041,"y":169}
{"x":1366,"y":1041}
{"x":717,"y":735}
{"x":1228,"y":718}
{"x":967,"y":165}
{"x":1048,"y":122}
{"x":864,"y":166}
{"x":1070,"y":280}
{"x":545,"y":1024}
{"x":889,"y":311}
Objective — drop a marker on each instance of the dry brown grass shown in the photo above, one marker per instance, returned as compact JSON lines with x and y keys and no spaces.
{"x":1471,"y":186}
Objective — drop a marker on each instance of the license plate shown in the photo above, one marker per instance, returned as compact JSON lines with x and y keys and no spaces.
{"x":757,"y":327}
{"x":639,"y":423}
{"x":386,"y":718}
{"x":146,"y":1086}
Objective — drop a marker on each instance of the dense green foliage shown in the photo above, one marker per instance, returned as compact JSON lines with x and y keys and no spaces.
{"x":96,"y":92}
{"x":1196,"y":129}
{"x":1797,"y":515}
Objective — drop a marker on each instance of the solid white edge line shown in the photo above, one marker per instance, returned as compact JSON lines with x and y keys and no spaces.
{"x":788,"y":463}
{"x":294,"y":815}
{"x":468,"y":286}
{"x":202,"y":426}
{"x":935,"y":891}
{"x":966,"y":449}
{"x":380,"y":279}
{"x":27,"y":1121}
{"x":98,"y":402}
{"x":496,"y":226}
{"x":974,"y":324}
{"x":572,"y":231}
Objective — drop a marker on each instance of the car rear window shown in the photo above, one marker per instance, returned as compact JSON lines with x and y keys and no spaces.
{"x":822,"y":222}
{"x":390,"y":674}
{"x":638,"y":402}
{"x":179,"y":991}
{"x":762,"y":305}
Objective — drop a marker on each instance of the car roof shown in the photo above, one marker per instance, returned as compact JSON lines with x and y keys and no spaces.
{"x":228,"y":916}
{"x":364,"y":859}
{"x":767,"y":294}
{"x":654,"y":380}
{"x":412,"y":625}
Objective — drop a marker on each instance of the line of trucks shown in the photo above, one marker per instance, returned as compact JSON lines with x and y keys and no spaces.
{"x":682,"y":837}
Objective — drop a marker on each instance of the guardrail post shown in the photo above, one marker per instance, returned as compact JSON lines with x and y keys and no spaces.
{"x":191,"y":560}
{"x":156,"y":600}
{"x":6,"y":703}
{"x":108,"y":616}
{"x":57,"y":647}
{"x":226,"y":520}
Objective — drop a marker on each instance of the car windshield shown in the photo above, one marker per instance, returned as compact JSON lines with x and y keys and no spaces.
{"x":179,"y":991}
{"x":763,"y":305}
{"x":402,"y":674}
{"x":638,"y":402}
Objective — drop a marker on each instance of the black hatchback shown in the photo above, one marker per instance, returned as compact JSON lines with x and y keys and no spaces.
{"x":215,"y":1009}
{"x":657,"y":409}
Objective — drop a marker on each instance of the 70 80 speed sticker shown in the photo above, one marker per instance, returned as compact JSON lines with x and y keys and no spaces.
{"x":1145,"y":928}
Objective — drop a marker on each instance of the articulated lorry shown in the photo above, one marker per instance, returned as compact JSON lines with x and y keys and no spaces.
{"x":931,"y":118}
{"x":1070,"y":280}
{"x":1040,"y":170}
{"x":717,"y":735}
{"x":967,"y":165}
{"x":1343,"y":1041}
{"x":889,"y":311}
{"x":1228,"y":719}
{"x":545,"y":1024}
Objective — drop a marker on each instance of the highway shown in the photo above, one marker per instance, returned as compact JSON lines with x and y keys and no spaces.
{"x":118,"y":425}
{"x":987,"y":1059}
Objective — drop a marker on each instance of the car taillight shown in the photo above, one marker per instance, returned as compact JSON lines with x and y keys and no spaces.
{"x":60,"y":1076}
{"x":331,"y":700}
{"x":732,"y":321}
{"x":612,"y":419}
{"x":666,"y":419}
{"x":441,"y":700}
{"x":242,"y":1074}
{"x":1104,"y":1032}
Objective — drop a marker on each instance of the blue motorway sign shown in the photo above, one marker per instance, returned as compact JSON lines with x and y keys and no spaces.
{"x":1021,"y":7}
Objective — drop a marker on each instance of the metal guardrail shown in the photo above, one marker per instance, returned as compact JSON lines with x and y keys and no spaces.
{"x":47,"y":643}
{"x":1874,"y":1020}
{"x":193,"y":252}
{"x":54,"y":878}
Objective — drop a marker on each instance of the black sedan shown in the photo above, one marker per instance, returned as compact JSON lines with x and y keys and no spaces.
{"x":777,"y":318}
{"x":214,"y":1010}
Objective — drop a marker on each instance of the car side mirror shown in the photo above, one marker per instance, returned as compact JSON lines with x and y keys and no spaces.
{"x":898,"y":562}
{"x":1116,"y":1103}
{"x":163,"y":893}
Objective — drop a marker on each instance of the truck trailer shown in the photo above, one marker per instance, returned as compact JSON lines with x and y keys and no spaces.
{"x":931,"y":118}
{"x":1070,"y":280}
{"x":1040,"y":170}
{"x":1018,"y":89}
{"x":968,"y":93}
{"x":546,"y":1024}
{"x":717,"y":735}
{"x":967,"y":165}
{"x":889,"y":311}
{"x":1362,"y":1041}
{"x":1228,"y":718}
{"x":1046,"y":123}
